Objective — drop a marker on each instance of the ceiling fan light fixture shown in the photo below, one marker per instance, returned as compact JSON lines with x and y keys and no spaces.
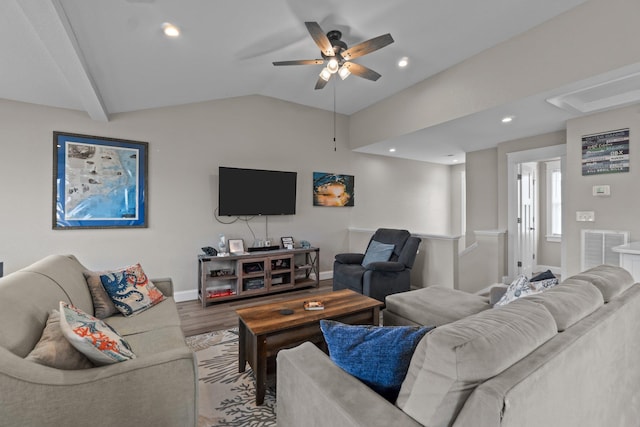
{"x":325,"y":74}
{"x":333,"y":65}
{"x":344,"y":72}
{"x":170,"y":30}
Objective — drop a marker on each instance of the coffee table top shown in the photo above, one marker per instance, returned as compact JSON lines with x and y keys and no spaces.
{"x":266,"y":318}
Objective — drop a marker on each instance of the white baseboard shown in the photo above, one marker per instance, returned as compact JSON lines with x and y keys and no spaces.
{"x":182,"y":296}
{"x":192,"y":294}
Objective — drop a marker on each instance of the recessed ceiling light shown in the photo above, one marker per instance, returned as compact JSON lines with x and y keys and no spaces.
{"x":392,"y":150}
{"x":507,"y":119}
{"x":170,"y":30}
{"x":403,"y":62}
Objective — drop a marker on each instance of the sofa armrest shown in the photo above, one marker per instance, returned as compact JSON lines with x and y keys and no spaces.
{"x":165,"y":285}
{"x":313,"y":391}
{"x":349,"y":258}
{"x":390,"y":266}
{"x":41,"y":395}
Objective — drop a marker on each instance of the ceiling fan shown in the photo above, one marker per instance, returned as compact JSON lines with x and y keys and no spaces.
{"x":338,"y":57}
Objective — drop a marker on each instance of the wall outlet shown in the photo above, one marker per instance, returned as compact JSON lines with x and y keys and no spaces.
{"x":585,"y":216}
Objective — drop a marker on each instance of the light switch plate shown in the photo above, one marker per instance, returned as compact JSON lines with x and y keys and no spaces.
{"x":585,"y":216}
{"x":601,"y":190}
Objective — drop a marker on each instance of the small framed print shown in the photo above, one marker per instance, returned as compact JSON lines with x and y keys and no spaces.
{"x":287,"y":242}
{"x":236,"y":246}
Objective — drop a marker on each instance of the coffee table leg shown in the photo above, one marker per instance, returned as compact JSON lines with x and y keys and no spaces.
{"x":242,"y":342}
{"x":261,"y":369}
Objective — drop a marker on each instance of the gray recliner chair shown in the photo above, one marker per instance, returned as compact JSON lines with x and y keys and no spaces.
{"x":382,"y":278}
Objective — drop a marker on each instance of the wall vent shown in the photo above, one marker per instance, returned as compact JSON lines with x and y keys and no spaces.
{"x":597,"y":244}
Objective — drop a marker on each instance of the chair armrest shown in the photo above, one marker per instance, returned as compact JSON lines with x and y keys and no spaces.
{"x":349,"y":258}
{"x":314,"y":392}
{"x":385,"y":266}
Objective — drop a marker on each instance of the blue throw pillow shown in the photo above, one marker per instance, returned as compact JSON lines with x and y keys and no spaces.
{"x":377,"y":252}
{"x":378,"y":356}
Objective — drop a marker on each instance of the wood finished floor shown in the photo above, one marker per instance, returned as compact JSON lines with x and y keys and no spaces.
{"x":197,"y":320}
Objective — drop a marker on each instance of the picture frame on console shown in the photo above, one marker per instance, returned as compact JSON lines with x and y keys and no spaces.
{"x":98,"y":182}
{"x":236,"y":246}
{"x":287,"y":242}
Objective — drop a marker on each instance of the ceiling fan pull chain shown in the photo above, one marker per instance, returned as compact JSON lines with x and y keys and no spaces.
{"x":334,"y":115}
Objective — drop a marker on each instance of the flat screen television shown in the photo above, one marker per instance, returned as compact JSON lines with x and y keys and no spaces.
{"x":246,"y":192}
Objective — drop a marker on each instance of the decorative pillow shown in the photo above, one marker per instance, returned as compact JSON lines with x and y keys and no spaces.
{"x":54,"y":350}
{"x":92,"y":337}
{"x":378,"y":356}
{"x":377,"y":252}
{"x":130,"y":290}
{"x":102,"y":305}
{"x":521,"y":287}
{"x":545,"y":275}
{"x":542,"y":285}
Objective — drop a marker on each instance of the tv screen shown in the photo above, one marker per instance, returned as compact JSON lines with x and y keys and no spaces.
{"x":243,"y":192}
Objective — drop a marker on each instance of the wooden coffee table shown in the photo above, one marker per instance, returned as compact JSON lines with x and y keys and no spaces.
{"x":263,"y":330}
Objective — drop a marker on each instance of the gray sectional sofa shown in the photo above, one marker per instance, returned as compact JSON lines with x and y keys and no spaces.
{"x":565,"y":357}
{"x":157,"y":388}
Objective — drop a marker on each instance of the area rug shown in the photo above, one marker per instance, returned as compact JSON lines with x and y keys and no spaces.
{"x":227,"y":398}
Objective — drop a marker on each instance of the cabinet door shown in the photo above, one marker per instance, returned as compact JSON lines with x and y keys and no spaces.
{"x":253,"y":275}
{"x":281,"y":271}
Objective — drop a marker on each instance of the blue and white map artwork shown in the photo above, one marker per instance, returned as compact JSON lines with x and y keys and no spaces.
{"x":101,"y":182}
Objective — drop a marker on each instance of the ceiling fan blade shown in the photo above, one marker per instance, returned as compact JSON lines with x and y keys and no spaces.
{"x":300,"y":62}
{"x":362,"y":71}
{"x":321,"y":83}
{"x":320,"y":38}
{"x":367,"y":47}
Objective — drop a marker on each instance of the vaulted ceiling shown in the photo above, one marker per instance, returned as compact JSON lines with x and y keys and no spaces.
{"x":106,"y":57}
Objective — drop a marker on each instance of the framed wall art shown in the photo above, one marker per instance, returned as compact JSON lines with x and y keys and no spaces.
{"x":330,"y":189}
{"x":99,"y":182}
{"x":606,"y":152}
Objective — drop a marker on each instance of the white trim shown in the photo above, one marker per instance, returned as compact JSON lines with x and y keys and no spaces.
{"x":513,"y":159}
{"x":182,"y":296}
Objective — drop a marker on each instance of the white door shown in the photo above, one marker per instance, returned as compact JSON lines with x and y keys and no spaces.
{"x":527,"y":218}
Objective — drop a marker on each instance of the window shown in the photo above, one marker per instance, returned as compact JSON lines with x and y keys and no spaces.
{"x":554,"y":201}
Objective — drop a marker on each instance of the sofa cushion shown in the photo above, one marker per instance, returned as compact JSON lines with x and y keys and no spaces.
{"x":54,"y":350}
{"x":131,"y":290}
{"x":159,"y":316}
{"x":453,"y":359}
{"x":66,"y":272}
{"x":378,"y":356}
{"x":435,"y":305}
{"x":569,"y":302}
{"x":377,"y":252}
{"x":102,"y":305}
{"x":609,"y":279}
{"x":92,"y":337}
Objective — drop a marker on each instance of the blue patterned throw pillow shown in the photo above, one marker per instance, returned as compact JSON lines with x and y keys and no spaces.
{"x":377,"y":252}
{"x":378,"y":356}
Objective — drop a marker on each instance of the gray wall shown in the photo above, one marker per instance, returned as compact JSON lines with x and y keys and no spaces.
{"x":187,"y":144}
{"x":618,"y":212}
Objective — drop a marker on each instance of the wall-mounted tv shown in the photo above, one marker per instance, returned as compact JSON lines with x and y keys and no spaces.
{"x":245,"y":192}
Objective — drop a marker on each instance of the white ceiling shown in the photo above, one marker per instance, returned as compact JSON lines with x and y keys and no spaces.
{"x":108,"y":57}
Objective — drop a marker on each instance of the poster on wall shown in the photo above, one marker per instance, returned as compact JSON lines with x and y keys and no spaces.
{"x":98,"y":182}
{"x":606,"y":152}
{"x":330,"y":189}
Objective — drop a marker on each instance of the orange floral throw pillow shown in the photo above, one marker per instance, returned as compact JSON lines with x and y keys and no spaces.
{"x":92,"y":337}
{"x":131,"y":290}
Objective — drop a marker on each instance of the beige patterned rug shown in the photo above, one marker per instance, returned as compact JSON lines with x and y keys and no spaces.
{"x":227,"y":398}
